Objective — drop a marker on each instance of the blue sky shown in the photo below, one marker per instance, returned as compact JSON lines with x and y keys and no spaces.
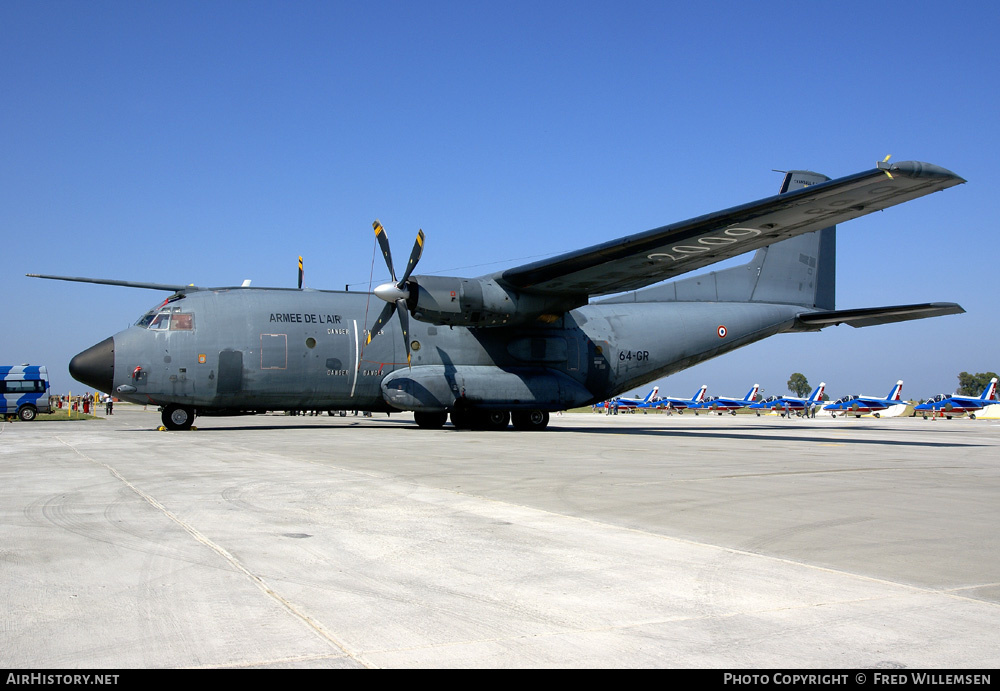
{"x":210,"y":142}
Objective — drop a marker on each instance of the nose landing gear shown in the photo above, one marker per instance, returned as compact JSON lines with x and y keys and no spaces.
{"x":177,"y":418}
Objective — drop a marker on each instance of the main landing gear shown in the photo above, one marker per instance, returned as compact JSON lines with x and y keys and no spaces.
{"x":484,"y":419}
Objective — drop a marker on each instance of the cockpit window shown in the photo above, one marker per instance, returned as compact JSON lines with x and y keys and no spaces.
{"x":159,"y":317}
{"x":182,"y":322}
{"x":160,"y":322}
{"x":145,"y":319}
{"x":162,"y":319}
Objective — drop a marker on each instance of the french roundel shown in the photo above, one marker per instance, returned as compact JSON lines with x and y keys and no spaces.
{"x":722,"y":332}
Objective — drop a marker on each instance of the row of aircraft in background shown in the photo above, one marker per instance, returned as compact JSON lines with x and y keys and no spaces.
{"x":941,"y":405}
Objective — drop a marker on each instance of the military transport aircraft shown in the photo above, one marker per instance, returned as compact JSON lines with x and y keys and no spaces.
{"x":951,"y":406}
{"x":723,"y":403}
{"x":861,"y":405}
{"x":516,"y":344}
{"x":789,"y":404}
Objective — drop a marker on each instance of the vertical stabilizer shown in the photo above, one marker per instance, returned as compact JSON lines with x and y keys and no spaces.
{"x":802,"y":270}
{"x":817,"y":394}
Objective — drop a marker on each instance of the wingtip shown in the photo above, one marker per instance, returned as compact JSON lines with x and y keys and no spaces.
{"x":920,"y":169}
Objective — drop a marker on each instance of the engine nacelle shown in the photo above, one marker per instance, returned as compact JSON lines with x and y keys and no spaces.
{"x":479,"y":302}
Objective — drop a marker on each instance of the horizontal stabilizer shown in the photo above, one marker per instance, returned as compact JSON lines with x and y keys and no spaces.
{"x":871,"y":316}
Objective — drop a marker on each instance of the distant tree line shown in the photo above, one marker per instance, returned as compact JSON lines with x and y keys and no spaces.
{"x":968,"y":384}
{"x":973,"y":384}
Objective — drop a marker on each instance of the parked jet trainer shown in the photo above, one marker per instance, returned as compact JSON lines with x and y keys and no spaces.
{"x":518,"y":343}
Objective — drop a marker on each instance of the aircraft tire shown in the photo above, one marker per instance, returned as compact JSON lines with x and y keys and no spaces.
{"x":433,"y":420}
{"x":530,"y":420}
{"x":972,"y":416}
{"x":495,"y":419}
{"x":876,"y":415}
{"x":27,"y":413}
{"x":177,"y":418}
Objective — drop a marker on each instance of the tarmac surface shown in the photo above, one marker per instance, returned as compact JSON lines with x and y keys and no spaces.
{"x":626,"y":541}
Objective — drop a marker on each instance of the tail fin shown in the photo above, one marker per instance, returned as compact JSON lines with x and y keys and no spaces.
{"x":990,"y":392}
{"x":817,"y":395}
{"x":752,"y":393}
{"x":700,"y":396}
{"x":651,"y":395}
{"x":895,"y":391}
{"x":802,"y":270}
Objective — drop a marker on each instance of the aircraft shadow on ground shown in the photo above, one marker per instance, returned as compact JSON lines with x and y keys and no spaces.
{"x":767,"y":432}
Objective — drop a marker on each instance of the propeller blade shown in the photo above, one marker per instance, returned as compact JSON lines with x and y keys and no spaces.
{"x":883,"y":165}
{"x":404,"y":323}
{"x":395,"y":293}
{"x":383,"y":243}
{"x":383,"y":318}
{"x":418,"y":249}
{"x":300,"y":273}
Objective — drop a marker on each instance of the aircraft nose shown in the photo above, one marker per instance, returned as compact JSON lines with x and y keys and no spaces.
{"x":95,"y":366}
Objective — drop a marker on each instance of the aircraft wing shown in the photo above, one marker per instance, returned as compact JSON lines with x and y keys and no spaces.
{"x":875,"y":402}
{"x":642,"y":259}
{"x":965,"y":400}
{"x":173,"y":287}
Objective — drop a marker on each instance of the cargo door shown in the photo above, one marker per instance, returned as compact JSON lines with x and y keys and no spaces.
{"x":230,"y":372}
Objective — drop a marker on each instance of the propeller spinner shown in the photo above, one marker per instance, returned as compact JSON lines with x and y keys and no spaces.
{"x":395,"y":293}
